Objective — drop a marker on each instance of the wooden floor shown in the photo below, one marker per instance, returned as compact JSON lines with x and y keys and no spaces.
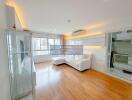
{"x":65,"y":83}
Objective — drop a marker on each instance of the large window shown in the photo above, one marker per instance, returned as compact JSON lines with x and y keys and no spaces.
{"x":36,"y":43}
{"x":51,"y":42}
{"x":57,"y":42}
{"x":54,"y":42}
{"x":44,"y":44}
{"x":41,"y":46}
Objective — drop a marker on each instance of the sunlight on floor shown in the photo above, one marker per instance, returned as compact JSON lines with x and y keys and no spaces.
{"x":47,"y":75}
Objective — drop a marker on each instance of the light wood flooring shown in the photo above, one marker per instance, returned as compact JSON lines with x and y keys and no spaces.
{"x":65,"y":83}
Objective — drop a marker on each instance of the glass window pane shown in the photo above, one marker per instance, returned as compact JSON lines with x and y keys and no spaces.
{"x":51,"y":42}
{"x":43,"y":43}
{"x":71,"y":42}
{"x":57,"y":42}
{"x":36,"y":43}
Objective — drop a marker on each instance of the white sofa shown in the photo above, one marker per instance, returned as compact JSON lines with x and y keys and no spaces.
{"x":79,"y":62}
{"x":58,"y":60}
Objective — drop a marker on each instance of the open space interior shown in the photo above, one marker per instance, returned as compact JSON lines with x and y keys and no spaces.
{"x":65,"y":50}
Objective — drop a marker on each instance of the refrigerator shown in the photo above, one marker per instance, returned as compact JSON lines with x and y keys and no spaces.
{"x":20,"y":65}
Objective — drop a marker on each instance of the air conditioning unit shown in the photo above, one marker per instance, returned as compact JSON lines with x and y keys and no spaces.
{"x":79,"y":32}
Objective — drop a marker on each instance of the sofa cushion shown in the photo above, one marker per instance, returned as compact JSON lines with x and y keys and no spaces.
{"x":80,"y":62}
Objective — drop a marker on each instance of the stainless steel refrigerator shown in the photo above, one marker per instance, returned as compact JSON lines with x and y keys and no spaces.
{"x":20,"y":65}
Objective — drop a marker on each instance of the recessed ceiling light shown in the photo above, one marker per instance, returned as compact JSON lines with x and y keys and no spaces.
{"x":69,"y":21}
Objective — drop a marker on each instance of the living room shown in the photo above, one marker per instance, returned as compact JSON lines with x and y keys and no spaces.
{"x":66,"y":50}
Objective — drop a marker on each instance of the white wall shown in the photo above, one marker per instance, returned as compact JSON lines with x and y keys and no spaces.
{"x":99,"y":58}
{"x":99,"y":54}
{"x":2,"y":15}
{"x":17,"y":23}
{"x":10,"y":17}
{"x":4,"y":75}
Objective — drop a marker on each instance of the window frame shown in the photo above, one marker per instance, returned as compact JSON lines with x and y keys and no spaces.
{"x":48,"y":45}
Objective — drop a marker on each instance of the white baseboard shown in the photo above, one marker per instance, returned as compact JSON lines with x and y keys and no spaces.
{"x":113,"y":75}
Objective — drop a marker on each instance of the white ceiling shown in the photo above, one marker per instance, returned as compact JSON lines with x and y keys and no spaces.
{"x":58,"y":16}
